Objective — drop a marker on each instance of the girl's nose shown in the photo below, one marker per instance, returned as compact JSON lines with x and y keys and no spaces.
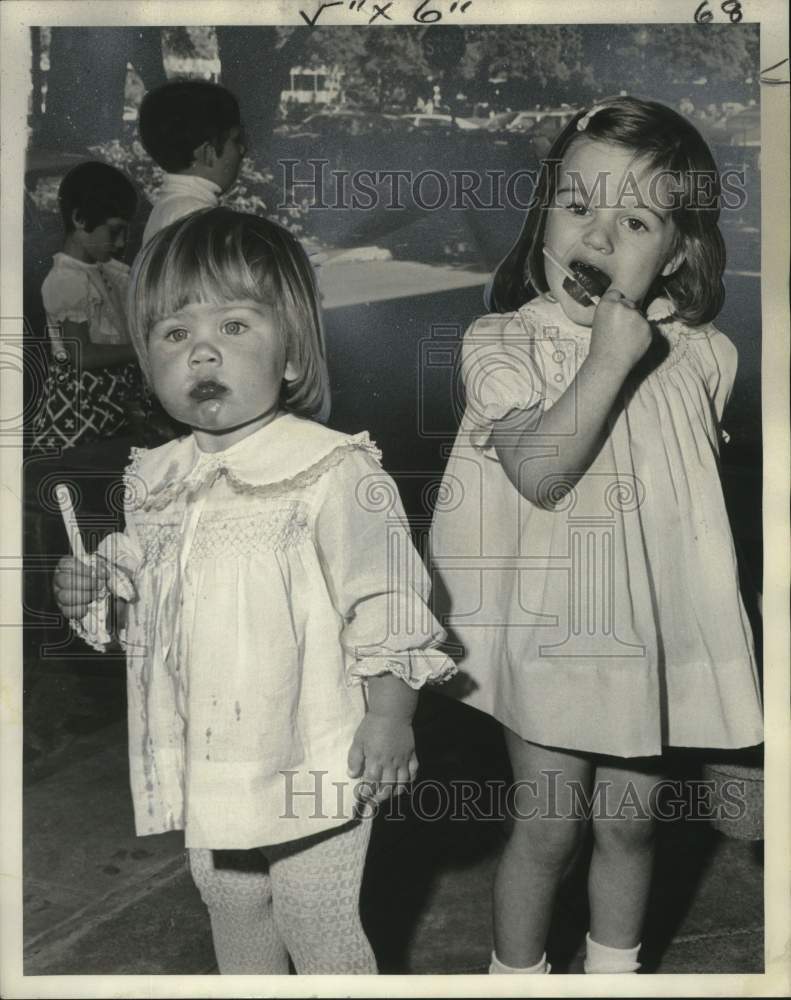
{"x":204,"y":353}
{"x":597,"y":236}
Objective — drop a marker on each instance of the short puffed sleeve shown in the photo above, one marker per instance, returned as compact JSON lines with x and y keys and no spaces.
{"x":65,"y":296}
{"x":725,"y":360}
{"x":503,"y":372}
{"x":375,"y":577}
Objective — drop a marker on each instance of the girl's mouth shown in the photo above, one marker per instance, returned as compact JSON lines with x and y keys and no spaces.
{"x":207,"y":389}
{"x":590,"y":280}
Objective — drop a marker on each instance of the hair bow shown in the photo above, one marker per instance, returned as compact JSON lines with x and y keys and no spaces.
{"x":583,"y":123}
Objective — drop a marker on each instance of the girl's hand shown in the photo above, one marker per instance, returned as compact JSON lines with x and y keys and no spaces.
{"x":76,"y":584}
{"x":382,"y":754}
{"x":621,"y":334}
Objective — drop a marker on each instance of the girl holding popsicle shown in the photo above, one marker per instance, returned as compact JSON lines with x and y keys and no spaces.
{"x":274,"y":646}
{"x":587,"y":557}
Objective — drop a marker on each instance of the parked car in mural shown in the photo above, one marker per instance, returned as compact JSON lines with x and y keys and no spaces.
{"x":526,"y":121}
{"x":435,"y":123}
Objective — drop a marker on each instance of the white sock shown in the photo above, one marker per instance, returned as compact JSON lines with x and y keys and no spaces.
{"x":600,"y":958}
{"x":498,"y":968}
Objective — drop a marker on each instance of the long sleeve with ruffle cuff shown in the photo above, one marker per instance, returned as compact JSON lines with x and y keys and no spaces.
{"x":92,"y":627}
{"x":415,"y":668}
{"x":377,"y":580}
{"x":122,"y":556}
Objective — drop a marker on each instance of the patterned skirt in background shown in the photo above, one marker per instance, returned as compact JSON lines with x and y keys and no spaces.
{"x":77,"y":408}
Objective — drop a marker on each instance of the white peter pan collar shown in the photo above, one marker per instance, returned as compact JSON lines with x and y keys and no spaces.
{"x":290,"y":452}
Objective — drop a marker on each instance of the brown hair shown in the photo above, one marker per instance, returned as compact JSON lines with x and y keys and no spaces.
{"x":669,"y":143}
{"x":96,"y":192}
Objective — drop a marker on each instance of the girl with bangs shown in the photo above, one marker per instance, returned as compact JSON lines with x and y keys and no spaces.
{"x":588,"y":564}
{"x":275,"y":648}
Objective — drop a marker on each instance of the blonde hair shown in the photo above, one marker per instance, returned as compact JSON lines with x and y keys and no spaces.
{"x":217,"y":255}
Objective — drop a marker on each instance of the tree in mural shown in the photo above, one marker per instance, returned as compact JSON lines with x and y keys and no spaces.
{"x":680,"y":53}
{"x":536,"y":64}
{"x":88,"y":66}
{"x":256,"y":63}
{"x":86,"y":80}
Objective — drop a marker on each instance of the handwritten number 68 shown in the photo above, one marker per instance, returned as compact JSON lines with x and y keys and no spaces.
{"x":730,"y":7}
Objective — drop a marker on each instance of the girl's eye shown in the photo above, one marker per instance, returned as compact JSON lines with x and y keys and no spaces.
{"x":176,"y":334}
{"x":577,"y":209}
{"x":233,"y":327}
{"x":635,"y":225}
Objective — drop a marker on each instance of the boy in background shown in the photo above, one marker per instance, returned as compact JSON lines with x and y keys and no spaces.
{"x":193,"y":130}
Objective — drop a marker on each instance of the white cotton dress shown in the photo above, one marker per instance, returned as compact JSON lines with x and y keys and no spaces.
{"x":271,"y":579}
{"x":612,"y":623}
{"x":87,"y":293}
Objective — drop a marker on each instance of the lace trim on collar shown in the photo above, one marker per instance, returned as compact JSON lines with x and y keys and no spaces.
{"x":139,"y":497}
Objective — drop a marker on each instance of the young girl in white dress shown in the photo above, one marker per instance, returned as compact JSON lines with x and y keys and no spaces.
{"x":583,"y":542}
{"x":94,"y":376}
{"x":276,"y":629}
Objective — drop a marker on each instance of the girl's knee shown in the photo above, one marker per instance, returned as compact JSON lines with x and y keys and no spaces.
{"x":623,"y":835}
{"x":553,"y":842}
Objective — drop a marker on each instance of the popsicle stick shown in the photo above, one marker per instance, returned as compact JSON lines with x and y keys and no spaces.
{"x":569,"y":274}
{"x":63,"y":496}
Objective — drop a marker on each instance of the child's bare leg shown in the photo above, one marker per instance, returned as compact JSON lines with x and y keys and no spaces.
{"x":623,"y":852}
{"x":246,"y":941}
{"x":539,"y":848}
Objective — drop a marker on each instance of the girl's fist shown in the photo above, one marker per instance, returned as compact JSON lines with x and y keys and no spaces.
{"x":621,"y":334}
{"x":76,"y":584}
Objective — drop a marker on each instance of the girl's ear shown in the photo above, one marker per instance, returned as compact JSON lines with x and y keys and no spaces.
{"x":204,"y":155}
{"x":674,"y":263}
{"x":77,"y":220}
{"x":291,"y":371}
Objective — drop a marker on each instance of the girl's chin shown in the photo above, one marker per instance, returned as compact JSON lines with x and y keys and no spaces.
{"x":224,"y":428}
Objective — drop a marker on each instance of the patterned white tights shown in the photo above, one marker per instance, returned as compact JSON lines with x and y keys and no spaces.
{"x":305,"y":905}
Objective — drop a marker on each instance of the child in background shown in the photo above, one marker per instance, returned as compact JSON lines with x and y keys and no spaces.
{"x":589,"y":563}
{"x":93,"y":371}
{"x":193,"y":130}
{"x":277,"y":632}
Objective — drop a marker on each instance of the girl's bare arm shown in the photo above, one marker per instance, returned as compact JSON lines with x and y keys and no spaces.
{"x":619,"y":338}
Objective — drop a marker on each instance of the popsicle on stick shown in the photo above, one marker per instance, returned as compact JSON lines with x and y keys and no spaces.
{"x":63,"y":496}
{"x":570,"y":276}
